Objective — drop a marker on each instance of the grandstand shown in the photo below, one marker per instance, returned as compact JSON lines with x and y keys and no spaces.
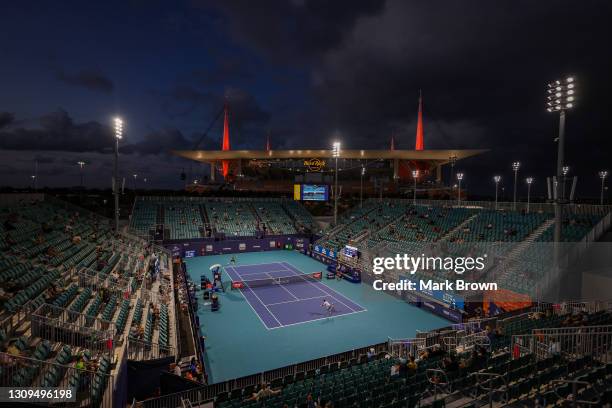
{"x":189,"y":218}
{"x":72,"y":295}
{"x":522,"y":240}
{"x":80,"y":305}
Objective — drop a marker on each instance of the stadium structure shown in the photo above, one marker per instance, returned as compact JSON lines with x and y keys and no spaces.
{"x":279,"y":170}
{"x":252,"y":302}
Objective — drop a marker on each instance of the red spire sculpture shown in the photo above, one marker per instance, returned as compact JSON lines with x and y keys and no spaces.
{"x":419,"y":145}
{"x":226,"y":142}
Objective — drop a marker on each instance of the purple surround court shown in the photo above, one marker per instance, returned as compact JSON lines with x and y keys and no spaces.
{"x":286,"y":305}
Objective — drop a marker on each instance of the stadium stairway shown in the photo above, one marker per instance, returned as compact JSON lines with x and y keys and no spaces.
{"x":459,"y":227}
{"x":502,"y":271}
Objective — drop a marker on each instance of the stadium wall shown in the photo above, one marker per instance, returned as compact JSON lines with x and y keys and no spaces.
{"x":210,"y":246}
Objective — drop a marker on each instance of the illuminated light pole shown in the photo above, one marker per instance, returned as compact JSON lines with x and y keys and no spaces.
{"x":561,"y":96}
{"x":415,"y":175}
{"x":496,"y":179}
{"x":529,"y":180}
{"x":363,"y":170}
{"x":453,"y":160}
{"x":135,"y":177}
{"x":602,"y":175}
{"x":81,"y":165}
{"x":336,"y":154}
{"x":564,"y":171}
{"x":118,"y":136}
{"x":515,"y":167}
{"x":459,"y":178}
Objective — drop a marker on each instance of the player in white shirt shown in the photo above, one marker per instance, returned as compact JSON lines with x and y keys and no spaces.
{"x":329,"y":307}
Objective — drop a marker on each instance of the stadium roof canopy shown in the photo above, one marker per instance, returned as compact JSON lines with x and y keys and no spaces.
{"x":438,"y":156}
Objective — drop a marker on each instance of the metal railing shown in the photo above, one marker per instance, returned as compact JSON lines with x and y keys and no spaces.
{"x":65,"y":326}
{"x":92,"y":279}
{"x":208,"y":392}
{"x":142,"y":350}
{"x":594,"y":341}
{"x":92,"y":388}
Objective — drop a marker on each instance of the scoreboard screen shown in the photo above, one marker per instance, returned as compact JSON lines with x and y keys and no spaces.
{"x":351,"y":251}
{"x":310,"y":192}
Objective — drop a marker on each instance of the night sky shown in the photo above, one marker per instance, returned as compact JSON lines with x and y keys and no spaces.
{"x":307,"y":72}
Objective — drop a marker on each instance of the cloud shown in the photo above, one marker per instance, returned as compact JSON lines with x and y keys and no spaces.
{"x":6,"y":118}
{"x":92,"y":80}
{"x":291,"y":31}
{"x":159,"y":142}
{"x":227,"y":70}
{"x":57,"y":131}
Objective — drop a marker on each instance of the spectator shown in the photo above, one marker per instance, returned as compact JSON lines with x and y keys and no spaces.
{"x":310,"y":402}
{"x":555,"y":347}
{"x":450,"y":363}
{"x":371,"y":354}
{"x":264,"y":392}
{"x":412,"y":366}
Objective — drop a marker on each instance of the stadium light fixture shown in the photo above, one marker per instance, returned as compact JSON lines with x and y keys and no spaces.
{"x":529,"y":180}
{"x":496,"y":179}
{"x":564,"y":171}
{"x":452,"y":159}
{"x":81,"y":164}
{"x":336,"y":154}
{"x":561,"y":96}
{"x":415,"y":176}
{"x":602,"y":175}
{"x":363,"y":171}
{"x":515,"y":168}
{"x":118,"y":122}
{"x":459,"y":178}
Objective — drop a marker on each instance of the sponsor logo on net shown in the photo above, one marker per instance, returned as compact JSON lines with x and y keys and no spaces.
{"x":412,"y":264}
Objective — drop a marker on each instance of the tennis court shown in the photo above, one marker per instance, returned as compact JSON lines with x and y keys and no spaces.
{"x":281,"y":295}
{"x":238,"y":342}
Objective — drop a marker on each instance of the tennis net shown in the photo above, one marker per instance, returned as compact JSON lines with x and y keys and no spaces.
{"x":282,"y":280}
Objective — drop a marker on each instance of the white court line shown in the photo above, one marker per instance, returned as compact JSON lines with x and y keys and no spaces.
{"x":314,"y":320}
{"x":295,"y":301}
{"x":325,"y":291}
{"x":283,"y":286}
{"x":255,"y":311}
{"x":296,"y":272}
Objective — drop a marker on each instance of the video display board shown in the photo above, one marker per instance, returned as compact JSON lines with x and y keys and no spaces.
{"x":311,"y":192}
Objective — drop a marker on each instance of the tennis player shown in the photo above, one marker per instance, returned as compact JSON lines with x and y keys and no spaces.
{"x":329,"y":307}
{"x":233,"y":260}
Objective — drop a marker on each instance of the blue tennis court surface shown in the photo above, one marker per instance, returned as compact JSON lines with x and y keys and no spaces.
{"x":285,"y":304}
{"x":240,"y":341}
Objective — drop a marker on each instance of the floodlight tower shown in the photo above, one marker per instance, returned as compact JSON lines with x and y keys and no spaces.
{"x":564,"y":170}
{"x":81,"y":164}
{"x":459,"y":178}
{"x":561,"y":95}
{"x":336,"y":154}
{"x":602,"y":175}
{"x":496,"y":179}
{"x":529,"y":181}
{"x":515,"y":168}
{"x":452,"y":160}
{"x":363,"y":171}
{"x":118,"y":136}
{"x":415,"y":176}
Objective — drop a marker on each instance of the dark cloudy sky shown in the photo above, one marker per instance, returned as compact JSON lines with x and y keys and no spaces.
{"x":305,"y":71}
